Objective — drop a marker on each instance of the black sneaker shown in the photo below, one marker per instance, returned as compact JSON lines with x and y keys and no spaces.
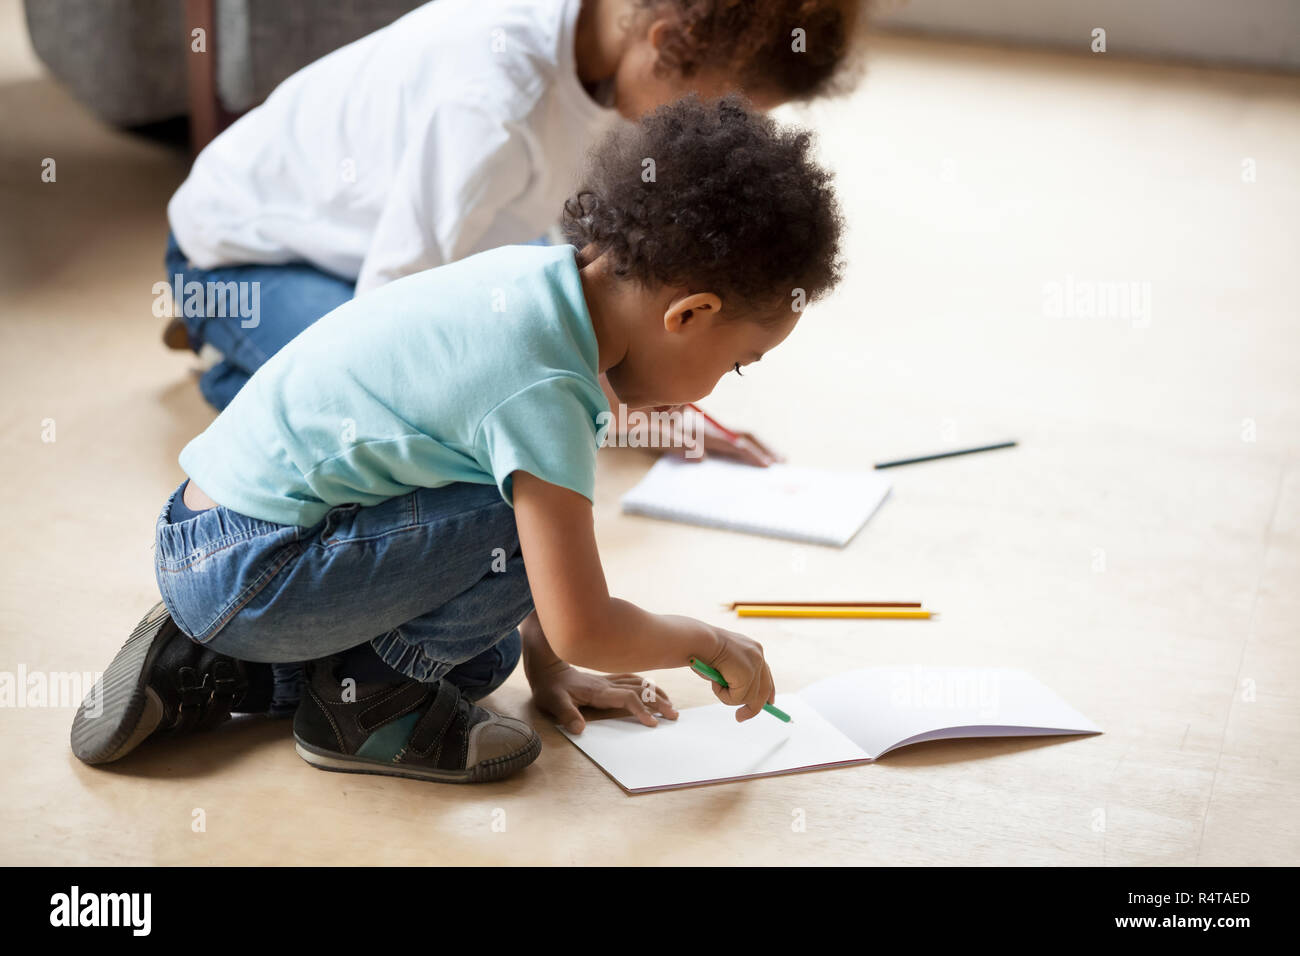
{"x":163,"y":682}
{"x":406,"y":729}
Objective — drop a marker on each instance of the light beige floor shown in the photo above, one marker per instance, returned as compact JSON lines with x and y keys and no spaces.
{"x":971,"y":177}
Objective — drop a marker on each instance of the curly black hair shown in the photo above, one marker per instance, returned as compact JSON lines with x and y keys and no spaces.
{"x":798,"y":49}
{"x":712,"y":195}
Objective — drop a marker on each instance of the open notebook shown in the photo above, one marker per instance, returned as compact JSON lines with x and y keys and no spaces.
{"x":851,"y":718}
{"x":804,"y":504}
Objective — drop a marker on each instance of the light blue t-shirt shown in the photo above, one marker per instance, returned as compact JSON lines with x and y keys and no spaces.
{"x":467,"y":372}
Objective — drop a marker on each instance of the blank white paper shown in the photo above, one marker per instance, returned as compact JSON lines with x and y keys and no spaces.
{"x":850,"y":718}
{"x":882,"y":708}
{"x":707,"y":745}
{"x":802,"y":504}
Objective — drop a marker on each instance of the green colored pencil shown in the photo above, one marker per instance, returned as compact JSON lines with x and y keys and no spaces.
{"x":703,"y":668}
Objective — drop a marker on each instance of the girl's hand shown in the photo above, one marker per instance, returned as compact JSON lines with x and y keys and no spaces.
{"x":560,"y":691}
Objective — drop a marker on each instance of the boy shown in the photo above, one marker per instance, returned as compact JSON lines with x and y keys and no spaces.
{"x":459,"y":128}
{"x":419,"y":465}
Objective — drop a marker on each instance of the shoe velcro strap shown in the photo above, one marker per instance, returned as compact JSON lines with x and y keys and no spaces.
{"x":453,"y":748}
{"x":191,"y":696}
{"x":432,"y":726}
{"x":396,"y":703}
{"x":226,"y":685}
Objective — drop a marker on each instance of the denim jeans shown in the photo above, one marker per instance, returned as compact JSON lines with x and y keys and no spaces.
{"x":433,"y":580}
{"x":290,"y":298}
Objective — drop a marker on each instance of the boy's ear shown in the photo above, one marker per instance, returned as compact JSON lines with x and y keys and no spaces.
{"x":690,"y":307}
{"x":658,"y":30}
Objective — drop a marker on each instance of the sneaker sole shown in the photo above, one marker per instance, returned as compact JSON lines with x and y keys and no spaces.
{"x":485,"y":771}
{"x":128,"y":711}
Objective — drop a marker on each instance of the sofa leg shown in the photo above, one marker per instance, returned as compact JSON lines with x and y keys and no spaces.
{"x":201,"y":71}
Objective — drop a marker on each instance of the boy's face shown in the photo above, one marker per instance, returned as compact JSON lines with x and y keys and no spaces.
{"x":679,"y":355}
{"x":639,"y":88}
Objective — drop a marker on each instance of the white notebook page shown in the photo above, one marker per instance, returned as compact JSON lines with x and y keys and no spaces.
{"x":707,"y":745}
{"x":803,"y":504}
{"x":851,"y":718}
{"x":883,"y":708}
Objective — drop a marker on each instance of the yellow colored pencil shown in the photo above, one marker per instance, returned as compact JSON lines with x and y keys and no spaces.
{"x":794,"y":610}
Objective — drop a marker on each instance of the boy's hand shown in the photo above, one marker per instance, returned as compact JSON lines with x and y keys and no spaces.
{"x":750,"y":451}
{"x":749,"y":679}
{"x":560,"y":691}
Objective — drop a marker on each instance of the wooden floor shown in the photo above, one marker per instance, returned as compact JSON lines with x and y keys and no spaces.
{"x":1139,"y":552}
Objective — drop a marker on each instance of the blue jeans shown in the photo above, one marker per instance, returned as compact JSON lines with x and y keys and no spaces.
{"x":289,"y":297}
{"x":433,"y":580}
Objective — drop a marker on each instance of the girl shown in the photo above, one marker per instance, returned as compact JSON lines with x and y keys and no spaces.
{"x":460,"y":127}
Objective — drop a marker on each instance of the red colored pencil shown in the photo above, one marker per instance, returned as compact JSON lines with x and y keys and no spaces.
{"x":734,"y":438}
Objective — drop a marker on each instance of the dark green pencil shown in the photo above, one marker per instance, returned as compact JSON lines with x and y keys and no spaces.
{"x":945,"y":454}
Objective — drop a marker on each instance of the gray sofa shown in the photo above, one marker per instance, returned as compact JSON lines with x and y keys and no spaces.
{"x":130,"y":61}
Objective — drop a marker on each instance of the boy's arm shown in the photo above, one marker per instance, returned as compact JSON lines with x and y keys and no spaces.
{"x":538,"y":655}
{"x":587,"y":627}
{"x":561,"y":689}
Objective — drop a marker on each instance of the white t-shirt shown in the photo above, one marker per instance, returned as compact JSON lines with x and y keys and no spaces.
{"x":458,"y":128}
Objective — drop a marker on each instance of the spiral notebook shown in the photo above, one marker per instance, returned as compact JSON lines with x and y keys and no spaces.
{"x":851,"y":718}
{"x":781,"y":501}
